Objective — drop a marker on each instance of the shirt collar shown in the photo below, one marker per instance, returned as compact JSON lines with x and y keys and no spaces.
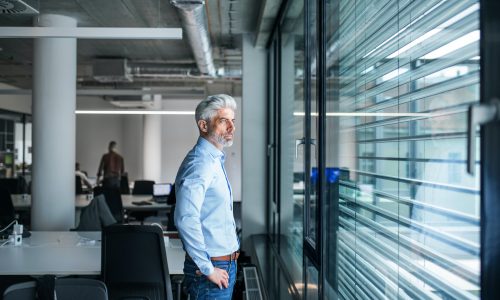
{"x":206,"y":145}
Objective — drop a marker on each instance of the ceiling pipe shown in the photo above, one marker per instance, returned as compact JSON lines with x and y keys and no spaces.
{"x":138,"y":70}
{"x":194,"y":22}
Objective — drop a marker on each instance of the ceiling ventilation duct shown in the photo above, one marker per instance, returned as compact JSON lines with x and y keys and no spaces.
{"x":144,"y":101}
{"x":194,"y":22}
{"x":112,"y":70}
{"x":16,"y":7}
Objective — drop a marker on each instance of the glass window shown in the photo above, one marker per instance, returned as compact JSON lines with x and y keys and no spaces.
{"x":311,"y":123}
{"x":403,"y":213}
{"x":292,"y":141}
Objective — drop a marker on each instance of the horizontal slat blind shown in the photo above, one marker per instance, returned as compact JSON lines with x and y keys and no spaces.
{"x":408,"y":224}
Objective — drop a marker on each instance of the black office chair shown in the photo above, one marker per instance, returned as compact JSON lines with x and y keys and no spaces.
{"x":124,"y":188}
{"x":98,"y":190}
{"x":65,"y":289}
{"x":78,"y":185}
{"x":7,"y":212}
{"x":142,"y":187}
{"x":134,"y":262}
{"x":96,"y":215}
{"x":115,"y":204}
{"x":171,"y":200}
{"x":14,"y":185}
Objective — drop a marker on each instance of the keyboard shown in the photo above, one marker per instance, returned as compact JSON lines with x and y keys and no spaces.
{"x":160,"y":199}
{"x":141,"y":203}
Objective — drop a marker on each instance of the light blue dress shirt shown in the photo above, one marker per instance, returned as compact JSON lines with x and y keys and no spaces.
{"x":204,"y":208}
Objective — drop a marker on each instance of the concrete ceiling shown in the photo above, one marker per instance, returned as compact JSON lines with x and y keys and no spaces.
{"x":169,"y":62}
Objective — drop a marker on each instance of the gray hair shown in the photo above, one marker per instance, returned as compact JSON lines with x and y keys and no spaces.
{"x":208,"y":108}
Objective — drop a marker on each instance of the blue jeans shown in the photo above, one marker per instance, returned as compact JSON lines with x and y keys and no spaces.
{"x":200,"y":288}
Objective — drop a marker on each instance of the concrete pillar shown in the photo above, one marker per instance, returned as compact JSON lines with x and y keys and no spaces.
{"x":54,"y":125}
{"x":152,"y":144}
{"x":253,"y":132}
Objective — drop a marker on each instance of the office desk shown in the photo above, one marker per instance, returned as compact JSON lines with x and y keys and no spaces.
{"x":23,"y":202}
{"x":67,"y":253}
{"x":127,"y":201}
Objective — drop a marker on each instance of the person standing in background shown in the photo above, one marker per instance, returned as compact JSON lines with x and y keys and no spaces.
{"x":111,"y":167}
{"x":204,"y":209}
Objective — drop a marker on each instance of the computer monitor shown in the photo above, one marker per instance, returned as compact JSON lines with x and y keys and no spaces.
{"x":161,"y":189}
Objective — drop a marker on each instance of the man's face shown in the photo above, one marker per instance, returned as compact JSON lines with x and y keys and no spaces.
{"x":221,"y":128}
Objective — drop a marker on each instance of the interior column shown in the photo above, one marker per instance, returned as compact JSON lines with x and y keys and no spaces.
{"x":152,"y":143}
{"x":54,"y":102}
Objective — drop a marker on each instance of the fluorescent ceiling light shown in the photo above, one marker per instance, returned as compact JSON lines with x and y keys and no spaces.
{"x":146,"y":33}
{"x":461,"y":42}
{"x":166,"y":91}
{"x":365,"y":114}
{"x":134,"y":112}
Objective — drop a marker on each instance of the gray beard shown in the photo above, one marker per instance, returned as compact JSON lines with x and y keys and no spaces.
{"x":221,"y":140}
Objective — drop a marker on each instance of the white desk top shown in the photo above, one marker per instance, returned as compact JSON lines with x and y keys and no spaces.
{"x":67,"y":253}
{"x":23,"y":202}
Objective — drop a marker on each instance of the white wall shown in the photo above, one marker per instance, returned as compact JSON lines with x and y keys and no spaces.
{"x":93,"y":134}
{"x":131,"y":148}
{"x":17,"y":103}
{"x":179,"y":134}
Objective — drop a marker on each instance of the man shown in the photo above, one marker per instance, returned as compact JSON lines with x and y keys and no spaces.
{"x":111,"y":167}
{"x":204,"y":210}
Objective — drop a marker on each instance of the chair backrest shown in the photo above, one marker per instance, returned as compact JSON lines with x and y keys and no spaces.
{"x":7,"y":212}
{"x":96,"y":215}
{"x":124,"y":188}
{"x":21,"y":291}
{"x":78,"y":185}
{"x":66,"y":289}
{"x":114,"y":201}
{"x":171,"y":200}
{"x":143,"y":187}
{"x":134,"y":262}
{"x":80,"y":289}
{"x":14,"y":185}
{"x":98,"y":190}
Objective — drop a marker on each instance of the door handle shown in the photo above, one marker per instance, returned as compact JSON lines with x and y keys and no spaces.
{"x":299,"y":142}
{"x":302,"y":141}
{"x":269,"y":149}
{"x":479,"y":114}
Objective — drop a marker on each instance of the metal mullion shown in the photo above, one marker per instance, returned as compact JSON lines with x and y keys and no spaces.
{"x":321,"y":98}
{"x":490,"y":160}
{"x":307,"y":120}
{"x":278,"y":130}
{"x":269,"y":143}
{"x":307,"y":247}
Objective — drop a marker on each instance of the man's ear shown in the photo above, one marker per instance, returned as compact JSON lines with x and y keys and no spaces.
{"x":203,"y":126}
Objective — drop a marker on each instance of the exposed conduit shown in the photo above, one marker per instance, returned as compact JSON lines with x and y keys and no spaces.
{"x":194,"y":22}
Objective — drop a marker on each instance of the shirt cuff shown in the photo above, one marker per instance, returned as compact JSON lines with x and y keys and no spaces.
{"x":206,"y":269}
